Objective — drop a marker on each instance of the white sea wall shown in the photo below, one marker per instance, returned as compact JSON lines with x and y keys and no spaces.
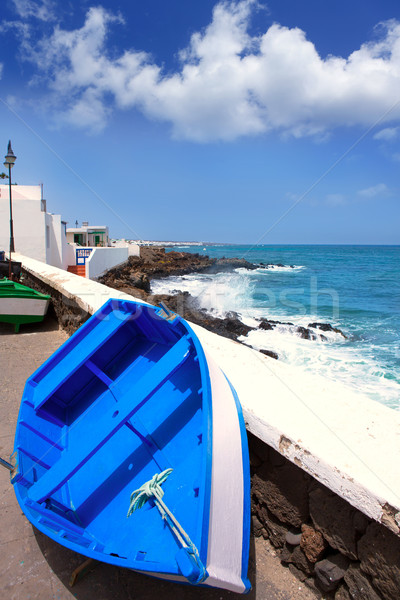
{"x":101,"y":259}
{"x":133,"y":249}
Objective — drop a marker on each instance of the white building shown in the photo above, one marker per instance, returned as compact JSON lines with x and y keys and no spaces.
{"x":43,"y":236}
{"x":89,"y":235}
{"x":37,"y":233}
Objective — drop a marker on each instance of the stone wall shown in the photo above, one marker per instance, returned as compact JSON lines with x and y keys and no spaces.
{"x":68,"y":313}
{"x":329,"y":545}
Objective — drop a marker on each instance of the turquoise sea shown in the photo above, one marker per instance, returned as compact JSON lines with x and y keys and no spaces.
{"x":354,"y":288}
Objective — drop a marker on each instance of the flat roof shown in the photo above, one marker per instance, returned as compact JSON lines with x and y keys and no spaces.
{"x":85,"y":228}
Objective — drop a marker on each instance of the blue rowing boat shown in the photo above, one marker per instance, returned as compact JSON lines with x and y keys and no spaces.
{"x":131,"y":449}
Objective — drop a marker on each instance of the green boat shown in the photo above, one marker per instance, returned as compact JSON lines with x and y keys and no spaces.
{"x":20,"y":304}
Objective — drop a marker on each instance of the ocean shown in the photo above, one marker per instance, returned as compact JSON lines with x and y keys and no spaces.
{"x":353,"y":288}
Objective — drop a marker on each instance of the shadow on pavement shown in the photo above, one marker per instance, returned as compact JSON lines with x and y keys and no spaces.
{"x":50,"y":323}
{"x":114,"y":583}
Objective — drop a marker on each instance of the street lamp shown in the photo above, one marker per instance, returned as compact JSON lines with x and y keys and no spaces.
{"x":9,"y":162}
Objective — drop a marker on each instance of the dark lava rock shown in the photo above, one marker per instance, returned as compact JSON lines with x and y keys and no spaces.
{"x":305,"y":333}
{"x":274,"y":530}
{"x":266,"y":325}
{"x":229,"y":264}
{"x":343,"y":593}
{"x":270,"y":353}
{"x":330,"y":571}
{"x":271,"y":324}
{"x":359,"y":585}
{"x":185,"y":305}
{"x":336,"y":519}
{"x":140,"y":280}
{"x":284,"y":490}
{"x":295,"y":555}
{"x":379,"y":552}
{"x":256,"y":526}
{"x":155,"y":263}
{"x":326,"y":327}
{"x":301,"y":561}
{"x":297,"y":572}
{"x":135,"y":275}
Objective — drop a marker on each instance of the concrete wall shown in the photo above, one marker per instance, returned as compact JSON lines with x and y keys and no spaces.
{"x":56,"y":244}
{"x":134,"y":249}
{"x":102,"y":259}
{"x":69,"y":256}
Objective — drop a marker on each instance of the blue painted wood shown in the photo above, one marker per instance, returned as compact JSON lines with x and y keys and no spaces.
{"x":76,"y":357}
{"x":112,"y":420}
{"x":127,"y":396}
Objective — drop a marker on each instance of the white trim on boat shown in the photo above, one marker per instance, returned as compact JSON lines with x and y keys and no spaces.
{"x":225,"y":535}
{"x":24,"y":306}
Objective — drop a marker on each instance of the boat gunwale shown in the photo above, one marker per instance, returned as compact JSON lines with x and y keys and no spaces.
{"x":14,"y":289}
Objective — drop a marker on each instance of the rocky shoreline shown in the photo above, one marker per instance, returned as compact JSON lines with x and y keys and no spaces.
{"x":134,"y":278}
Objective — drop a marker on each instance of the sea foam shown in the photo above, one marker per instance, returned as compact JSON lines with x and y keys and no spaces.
{"x":348,"y":360}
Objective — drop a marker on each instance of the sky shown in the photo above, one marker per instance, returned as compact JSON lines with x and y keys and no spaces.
{"x":235,"y":121}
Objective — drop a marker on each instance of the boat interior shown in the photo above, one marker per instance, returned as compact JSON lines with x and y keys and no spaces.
{"x":124,"y":398}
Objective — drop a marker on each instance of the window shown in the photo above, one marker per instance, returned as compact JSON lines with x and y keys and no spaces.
{"x":47,"y":236}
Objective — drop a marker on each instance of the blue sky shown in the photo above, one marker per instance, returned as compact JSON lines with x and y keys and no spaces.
{"x":269,"y":122}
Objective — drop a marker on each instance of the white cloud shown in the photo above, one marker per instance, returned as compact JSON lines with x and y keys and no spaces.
{"x":335,"y":199}
{"x":372,"y":192}
{"x":230,"y":84}
{"x":42,"y":9}
{"x":389,"y":134}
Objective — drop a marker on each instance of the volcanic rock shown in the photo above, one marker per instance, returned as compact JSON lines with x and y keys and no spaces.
{"x":379,"y":552}
{"x":269,"y":353}
{"x":336,"y":519}
{"x":326,"y":327}
{"x":284,"y":490}
{"x":359,"y":586}
{"x":330,"y":571}
{"x":312,"y":543}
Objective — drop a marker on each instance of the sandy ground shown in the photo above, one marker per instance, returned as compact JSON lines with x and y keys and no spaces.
{"x":33,"y":567}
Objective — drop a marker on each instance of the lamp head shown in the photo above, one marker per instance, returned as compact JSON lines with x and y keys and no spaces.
{"x":10,"y":157}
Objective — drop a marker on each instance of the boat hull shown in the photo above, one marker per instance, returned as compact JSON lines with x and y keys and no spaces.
{"x":129,"y":395}
{"x":20,"y":304}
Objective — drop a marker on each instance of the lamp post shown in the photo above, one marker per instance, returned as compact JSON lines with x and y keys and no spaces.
{"x":9,"y":162}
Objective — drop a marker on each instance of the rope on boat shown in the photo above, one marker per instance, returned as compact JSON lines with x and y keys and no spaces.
{"x":152,"y":489}
{"x":6,"y":464}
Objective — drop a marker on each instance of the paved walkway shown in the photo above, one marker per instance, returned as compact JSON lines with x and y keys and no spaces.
{"x":33,"y":567}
